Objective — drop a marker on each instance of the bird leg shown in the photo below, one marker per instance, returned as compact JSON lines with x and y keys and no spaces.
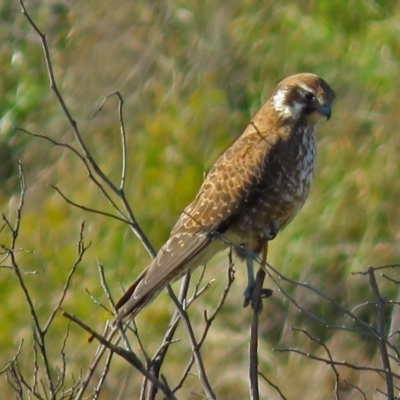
{"x":248,"y":292}
{"x":254,"y":292}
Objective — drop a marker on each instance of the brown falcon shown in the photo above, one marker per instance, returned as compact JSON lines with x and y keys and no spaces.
{"x":252,"y":192}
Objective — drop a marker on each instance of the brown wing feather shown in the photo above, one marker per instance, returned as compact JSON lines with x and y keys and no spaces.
{"x":227,"y":187}
{"x":164,"y":269}
{"x":224,"y":193}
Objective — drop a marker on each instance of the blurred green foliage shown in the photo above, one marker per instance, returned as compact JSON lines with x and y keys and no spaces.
{"x":191,"y":74}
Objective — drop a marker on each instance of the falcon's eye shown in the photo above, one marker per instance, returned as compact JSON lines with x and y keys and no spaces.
{"x":310,"y":97}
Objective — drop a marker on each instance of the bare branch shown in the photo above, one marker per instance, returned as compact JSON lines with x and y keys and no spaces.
{"x":357,"y":388}
{"x":38,"y":333}
{"x":391,"y":279}
{"x":81,"y":251}
{"x":387,"y":266}
{"x":381,"y":331}
{"x":89,"y":209}
{"x":88,"y":156}
{"x":333,"y":362}
{"x":122,"y":131}
{"x":273,"y":385}
{"x":129,"y":356}
{"x":14,"y":359}
{"x":253,"y":346}
{"x":106,"y":370}
{"x":328,"y":353}
{"x":195,"y":348}
{"x":208,"y":321}
{"x":159,"y":357}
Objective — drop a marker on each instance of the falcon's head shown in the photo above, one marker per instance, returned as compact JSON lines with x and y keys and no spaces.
{"x":303,"y":95}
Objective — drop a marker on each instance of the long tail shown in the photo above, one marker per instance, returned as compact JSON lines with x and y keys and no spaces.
{"x":129,"y":295}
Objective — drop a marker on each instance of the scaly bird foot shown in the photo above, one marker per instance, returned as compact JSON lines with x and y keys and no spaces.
{"x":249,"y":294}
{"x":256,"y":303}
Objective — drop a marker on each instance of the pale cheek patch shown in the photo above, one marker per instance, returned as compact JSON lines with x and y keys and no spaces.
{"x":280,"y":104}
{"x":283,"y":109}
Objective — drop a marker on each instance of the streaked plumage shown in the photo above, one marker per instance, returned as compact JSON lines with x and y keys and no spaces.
{"x":252,"y":192}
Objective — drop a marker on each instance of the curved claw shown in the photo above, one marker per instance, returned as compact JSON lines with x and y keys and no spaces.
{"x":265,"y":293}
{"x":249,"y":296}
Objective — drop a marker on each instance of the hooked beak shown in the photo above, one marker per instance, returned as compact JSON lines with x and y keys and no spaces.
{"x":325,"y":110}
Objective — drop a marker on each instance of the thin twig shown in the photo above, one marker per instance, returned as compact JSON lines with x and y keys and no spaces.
{"x":334,"y":362}
{"x":155,"y":366}
{"x":195,"y":348}
{"x":103,"y":376}
{"x":273,"y":385}
{"x":14,"y":359}
{"x":386,"y":266}
{"x":122,"y":131}
{"x":38,"y":333}
{"x":329,"y":354}
{"x":357,"y":388}
{"x":253,"y":345}
{"x":208,"y":321}
{"x":95,"y":362}
{"x":381,"y":331}
{"x":81,"y":252}
{"x":129,"y":356}
{"x":89,"y":209}
{"x":88,"y":156}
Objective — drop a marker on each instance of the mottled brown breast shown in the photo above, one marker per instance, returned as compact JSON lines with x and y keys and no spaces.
{"x":285,"y":182}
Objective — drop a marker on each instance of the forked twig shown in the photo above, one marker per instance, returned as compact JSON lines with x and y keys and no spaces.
{"x":129,"y":356}
{"x":195,"y":348}
{"x":88,"y":159}
{"x":208,"y":319}
{"x":150,"y":392}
